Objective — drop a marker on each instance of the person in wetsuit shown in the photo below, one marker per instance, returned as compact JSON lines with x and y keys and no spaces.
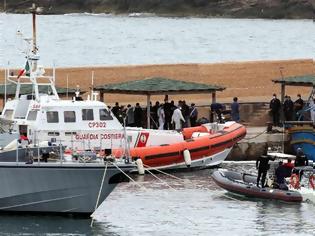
{"x":300,"y":160}
{"x":262,"y":164}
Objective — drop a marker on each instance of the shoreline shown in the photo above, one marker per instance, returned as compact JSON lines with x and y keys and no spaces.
{"x":164,"y":15}
{"x":250,"y":81}
{"x":290,"y":9}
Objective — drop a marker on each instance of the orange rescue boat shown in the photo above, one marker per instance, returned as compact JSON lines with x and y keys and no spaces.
{"x":202,"y":146}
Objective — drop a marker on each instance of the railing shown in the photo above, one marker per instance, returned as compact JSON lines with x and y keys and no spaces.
{"x":81,"y":150}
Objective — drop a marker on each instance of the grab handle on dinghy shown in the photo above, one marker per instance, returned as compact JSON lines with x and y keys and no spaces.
{"x":312,"y":181}
{"x":295,"y":181}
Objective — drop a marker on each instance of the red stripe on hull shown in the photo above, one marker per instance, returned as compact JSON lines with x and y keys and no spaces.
{"x":200,"y":147}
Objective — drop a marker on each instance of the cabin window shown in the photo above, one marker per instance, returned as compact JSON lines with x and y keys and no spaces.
{"x":30,"y":97}
{"x":69,"y":116}
{"x":52,"y":117}
{"x":53,"y":134}
{"x":8,"y":114}
{"x":87,"y":114}
{"x":70,"y":133}
{"x":32,"y":115}
{"x":105,"y":115}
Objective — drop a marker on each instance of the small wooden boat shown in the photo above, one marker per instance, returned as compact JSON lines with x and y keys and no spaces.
{"x":245,"y":184}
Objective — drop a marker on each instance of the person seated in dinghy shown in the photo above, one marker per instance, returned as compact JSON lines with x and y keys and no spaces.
{"x":281,"y":173}
{"x":262,"y":164}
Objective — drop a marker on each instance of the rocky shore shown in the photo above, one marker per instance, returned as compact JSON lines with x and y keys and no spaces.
{"x":272,"y":9}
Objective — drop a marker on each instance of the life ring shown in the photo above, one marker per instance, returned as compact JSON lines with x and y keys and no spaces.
{"x":312,"y":181}
{"x":295,"y":181}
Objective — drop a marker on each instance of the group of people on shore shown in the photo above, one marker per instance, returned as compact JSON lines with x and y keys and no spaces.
{"x":164,"y":116}
{"x":217,"y":111}
{"x":168,"y":116}
{"x":291,"y":110}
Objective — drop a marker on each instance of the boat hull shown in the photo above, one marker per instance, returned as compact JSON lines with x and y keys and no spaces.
{"x":245,"y":185}
{"x":208,"y":149}
{"x":204,"y":162}
{"x":55,"y":188}
{"x":303,"y":137}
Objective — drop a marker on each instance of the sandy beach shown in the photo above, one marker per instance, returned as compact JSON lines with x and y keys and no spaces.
{"x":250,"y":81}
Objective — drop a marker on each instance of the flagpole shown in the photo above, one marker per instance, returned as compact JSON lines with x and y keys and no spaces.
{"x":5,"y":83}
{"x":5,"y":86}
{"x":34,"y":12}
{"x":54,"y":72}
{"x":67,"y":86}
{"x":92,"y":87}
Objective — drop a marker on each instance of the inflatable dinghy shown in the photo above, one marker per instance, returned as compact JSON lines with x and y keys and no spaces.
{"x":245,"y":184}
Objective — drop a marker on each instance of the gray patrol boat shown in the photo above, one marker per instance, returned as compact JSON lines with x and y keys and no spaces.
{"x":62,"y":187}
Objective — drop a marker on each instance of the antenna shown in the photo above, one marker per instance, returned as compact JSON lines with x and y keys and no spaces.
{"x":92,"y":84}
{"x":35,"y":11}
{"x":67,"y":86}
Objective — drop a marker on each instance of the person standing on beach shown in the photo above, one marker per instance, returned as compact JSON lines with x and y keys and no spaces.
{"x":168,"y":116}
{"x":186,"y":113}
{"x":235,"y":113}
{"x":177,"y":118}
{"x":116,"y":110}
{"x":130,"y":116}
{"x":193,"y":115}
{"x":275,"y":106}
{"x":161,"y":115}
{"x":298,"y":106}
{"x":155,"y":116}
{"x":138,"y":115}
{"x":216,"y":112}
{"x":288,"y":108}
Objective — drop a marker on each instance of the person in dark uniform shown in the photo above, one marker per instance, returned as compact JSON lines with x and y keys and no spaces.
{"x":193,"y":115}
{"x":262,"y":164}
{"x":275,"y":106}
{"x":300,"y":160}
{"x":216,"y":110}
{"x":288,"y":108}
{"x":235,"y":112}
{"x":168,"y":115}
{"x":116,"y":110}
{"x":298,"y":107}
{"x":155,"y":116}
{"x":186,"y":113}
{"x":138,"y":115}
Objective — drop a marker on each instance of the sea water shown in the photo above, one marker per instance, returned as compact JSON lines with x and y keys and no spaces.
{"x":193,"y":205}
{"x":87,"y":39}
{"x":190,"y":205}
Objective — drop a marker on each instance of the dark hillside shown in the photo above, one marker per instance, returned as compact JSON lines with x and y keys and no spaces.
{"x":275,"y":9}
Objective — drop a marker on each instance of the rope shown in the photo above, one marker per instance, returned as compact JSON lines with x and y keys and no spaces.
{"x":191,"y":221}
{"x":132,"y":180}
{"x":265,"y":131}
{"x":162,"y":180}
{"x":99,"y":192}
{"x":162,"y":172}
